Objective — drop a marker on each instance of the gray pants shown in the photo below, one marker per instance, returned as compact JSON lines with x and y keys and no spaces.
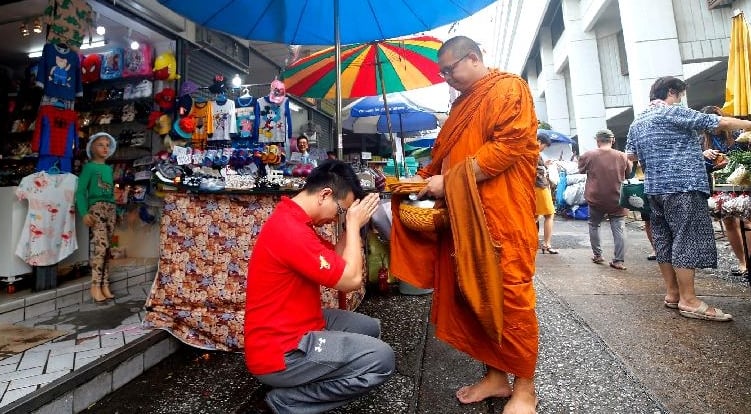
{"x":617,"y":226}
{"x":330,"y":367}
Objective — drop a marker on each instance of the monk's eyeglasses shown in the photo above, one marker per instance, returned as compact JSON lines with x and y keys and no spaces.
{"x":449,"y":70}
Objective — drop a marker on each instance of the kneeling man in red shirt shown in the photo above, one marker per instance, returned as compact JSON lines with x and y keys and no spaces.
{"x":314,"y":359}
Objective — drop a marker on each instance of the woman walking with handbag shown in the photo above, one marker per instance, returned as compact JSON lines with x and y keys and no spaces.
{"x":544,"y":199}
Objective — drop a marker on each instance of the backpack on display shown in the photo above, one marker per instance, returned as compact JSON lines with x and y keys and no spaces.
{"x":138,"y":62}
{"x":112,"y":64}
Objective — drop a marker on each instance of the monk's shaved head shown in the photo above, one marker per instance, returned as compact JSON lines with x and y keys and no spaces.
{"x":460,"y":46}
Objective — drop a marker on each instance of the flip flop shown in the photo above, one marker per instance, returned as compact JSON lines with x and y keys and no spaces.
{"x":736,"y":271}
{"x":652,"y":257}
{"x":598,"y":260}
{"x":671,"y":305}
{"x":701,"y":313}
{"x":617,"y":265}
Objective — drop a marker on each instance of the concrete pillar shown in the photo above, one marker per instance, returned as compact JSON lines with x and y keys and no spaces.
{"x":586,"y":80}
{"x":554,"y":86}
{"x":651,"y":41}
{"x":534,"y":86}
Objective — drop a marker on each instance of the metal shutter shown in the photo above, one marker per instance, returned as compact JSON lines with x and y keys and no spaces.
{"x":201,"y":67}
{"x":326,"y":140}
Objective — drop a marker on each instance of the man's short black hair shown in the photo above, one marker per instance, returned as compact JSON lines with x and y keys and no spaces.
{"x":336,"y":175}
{"x":664,"y":85}
{"x":544,"y":139}
{"x":460,"y":46}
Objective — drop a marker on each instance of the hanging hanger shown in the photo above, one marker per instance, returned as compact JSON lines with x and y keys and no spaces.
{"x":221,"y":98}
{"x":55,"y":169}
{"x":246,"y":93}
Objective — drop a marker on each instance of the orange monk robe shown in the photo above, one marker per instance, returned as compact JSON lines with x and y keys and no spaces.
{"x":493,"y":122}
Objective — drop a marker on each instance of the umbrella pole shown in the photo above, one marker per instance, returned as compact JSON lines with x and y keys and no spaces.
{"x":338,"y":60}
{"x":388,"y":116}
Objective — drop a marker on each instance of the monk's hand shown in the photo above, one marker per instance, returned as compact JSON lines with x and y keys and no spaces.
{"x":433,"y":189}
{"x":360,"y":212}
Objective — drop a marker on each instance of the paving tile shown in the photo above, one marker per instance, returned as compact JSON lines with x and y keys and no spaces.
{"x":86,"y":345}
{"x":62,"y":405}
{"x":96,"y":352}
{"x":156,"y":353}
{"x":68,"y":300}
{"x":15,"y":359}
{"x":36,"y":380}
{"x":119,"y":286}
{"x":40,"y":308}
{"x":81,"y":362}
{"x":68,"y":344}
{"x":92,"y":391}
{"x":10,"y":376}
{"x":12,"y":305}
{"x":12,"y":395}
{"x":60,"y":363}
{"x":118,"y":276}
{"x":13,"y":316}
{"x":132,"y":336}
{"x":3,"y":387}
{"x":39,"y":297}
{"x":112,"y":340}
{"x":132,"y":320}
{"x":7,"y":368}
{"x":69,"y":290}
{"x":136,"y":280}
{"x":127,"y":371}
{"x":33,"y":360}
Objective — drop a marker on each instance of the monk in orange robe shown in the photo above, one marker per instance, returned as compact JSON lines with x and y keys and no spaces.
{"x":483,"y":170}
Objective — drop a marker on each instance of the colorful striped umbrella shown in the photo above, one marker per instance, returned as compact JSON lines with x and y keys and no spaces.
{"x":368,"y":69}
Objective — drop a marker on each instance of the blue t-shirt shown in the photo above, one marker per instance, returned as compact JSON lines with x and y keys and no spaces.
{"x":664,"y":139}
{"x":59,"y":72}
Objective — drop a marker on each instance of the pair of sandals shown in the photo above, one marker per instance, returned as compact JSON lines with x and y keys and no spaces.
{"x":614,"y":264}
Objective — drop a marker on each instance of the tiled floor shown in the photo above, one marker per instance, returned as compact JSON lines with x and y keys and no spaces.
{"x":94,"y":331}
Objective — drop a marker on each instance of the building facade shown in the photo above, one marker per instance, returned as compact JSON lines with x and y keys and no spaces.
{"x":590,"y":63}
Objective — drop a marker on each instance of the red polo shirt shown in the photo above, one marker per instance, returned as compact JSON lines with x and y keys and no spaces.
{"x":283,"y":299}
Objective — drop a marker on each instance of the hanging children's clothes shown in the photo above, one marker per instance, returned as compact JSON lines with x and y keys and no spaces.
{"x":275,"y":123}
{"x":224,"y":120}
{"x":245,"y":115}
{"x":202,"y":113}
{"x":69,"y":21}
{"x":49,"y":234}
{"x":59,"y":72}
{"x":54,"y":137}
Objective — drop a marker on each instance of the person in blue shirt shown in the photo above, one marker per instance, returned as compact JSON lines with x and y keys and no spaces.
{"x":663,"y":138}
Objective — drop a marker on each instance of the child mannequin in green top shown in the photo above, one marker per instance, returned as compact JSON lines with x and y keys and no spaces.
{"x":95,"y":201}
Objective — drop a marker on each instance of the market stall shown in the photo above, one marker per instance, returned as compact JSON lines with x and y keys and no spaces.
{"x":206,"y":240}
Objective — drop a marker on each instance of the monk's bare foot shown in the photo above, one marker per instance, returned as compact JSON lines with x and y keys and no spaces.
{"x":523,"y":399}
{"x":494,"y":384}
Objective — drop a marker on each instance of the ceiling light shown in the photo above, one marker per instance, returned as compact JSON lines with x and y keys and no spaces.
{"x":24,"y":30}
{"x":92,"y":45}
{"x":37,"y":28}
{"x":237,"y":81}
{"x":36,"y":54}
{"x":100,"y":30}
{"x":134,"y":45}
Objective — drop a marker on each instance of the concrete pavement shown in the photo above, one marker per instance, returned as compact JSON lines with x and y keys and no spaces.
{"x":608,"y":345}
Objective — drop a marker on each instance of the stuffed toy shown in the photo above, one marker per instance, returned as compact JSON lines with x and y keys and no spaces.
{"x":91,"y":67}
{"x":165,"y":99}
{"x":165,"y":67}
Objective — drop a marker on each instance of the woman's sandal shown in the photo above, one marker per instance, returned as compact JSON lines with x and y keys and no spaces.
{"x":598,"y":260}
{"x":701,"y":313}
{"x":548,"y":250}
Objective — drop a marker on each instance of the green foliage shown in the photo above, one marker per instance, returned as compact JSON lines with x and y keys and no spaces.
{"x":543,"y":125}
